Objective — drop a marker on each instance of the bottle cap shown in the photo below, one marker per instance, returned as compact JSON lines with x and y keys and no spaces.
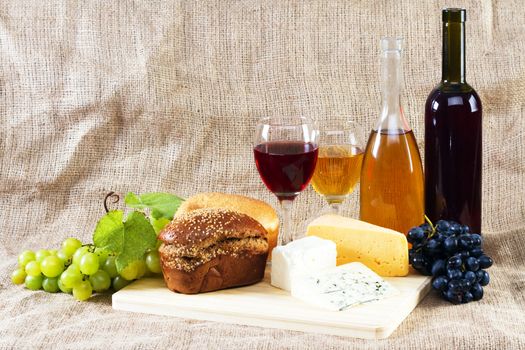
{"x":454,"y":15}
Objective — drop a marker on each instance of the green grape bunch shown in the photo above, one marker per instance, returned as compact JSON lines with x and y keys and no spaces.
{"x":123,"y":250}
{"x":80,"y":270}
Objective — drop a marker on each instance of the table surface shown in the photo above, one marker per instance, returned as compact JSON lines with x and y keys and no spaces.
{"x":263,"y":305}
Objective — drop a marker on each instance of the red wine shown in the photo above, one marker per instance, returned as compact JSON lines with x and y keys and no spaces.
{"x":453,"y":157}
{"x":286,"y":167}
{"x":453,"y":135}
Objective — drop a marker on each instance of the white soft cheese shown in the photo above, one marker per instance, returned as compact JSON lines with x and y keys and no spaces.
{"x":341,"y":287}
{"x":301,"y":257}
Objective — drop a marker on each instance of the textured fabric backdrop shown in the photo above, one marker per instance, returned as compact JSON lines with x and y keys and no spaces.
{"x":163,"y":96}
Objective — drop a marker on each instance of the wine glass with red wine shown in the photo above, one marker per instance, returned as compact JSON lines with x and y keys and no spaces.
{"x":285,"y":153}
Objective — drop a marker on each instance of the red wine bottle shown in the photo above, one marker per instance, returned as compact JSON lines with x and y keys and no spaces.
{"x":453,"y":135}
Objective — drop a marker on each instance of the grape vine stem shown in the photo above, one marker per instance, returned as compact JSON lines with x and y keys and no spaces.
{"x":112,"y":195}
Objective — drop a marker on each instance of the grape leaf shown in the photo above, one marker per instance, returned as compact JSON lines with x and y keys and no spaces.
{"x":109,"y":232}
{"x":162,"y":205}
{"x":158,"y":224}
{"x":139,"y":236}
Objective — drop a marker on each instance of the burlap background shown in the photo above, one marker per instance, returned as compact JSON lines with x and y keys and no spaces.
{"x":162,"y":96}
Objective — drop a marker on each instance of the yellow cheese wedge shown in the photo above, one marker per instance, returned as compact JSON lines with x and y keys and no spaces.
{"x":383,"y":250}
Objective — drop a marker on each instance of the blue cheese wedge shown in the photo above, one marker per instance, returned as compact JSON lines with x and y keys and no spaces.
{"x":341,"y":287}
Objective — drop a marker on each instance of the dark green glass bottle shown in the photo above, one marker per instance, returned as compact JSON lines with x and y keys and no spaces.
{"x":453,"y":135}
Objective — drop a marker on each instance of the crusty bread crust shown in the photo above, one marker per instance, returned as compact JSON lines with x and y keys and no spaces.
{"x":203,"y":227}
{"x":257,"y":209}
{"x":219,"y":273}
{"x":210,"y":249}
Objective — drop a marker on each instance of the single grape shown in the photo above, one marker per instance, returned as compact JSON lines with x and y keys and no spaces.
{"x":141,"y":269}
{"x":485,"y":262}
{"x":82,"y":290}
{"x":41,"y":254}
{"x":440,"y":283}
{"x":442,"y":225}
{"x":34,"y":282}
{"x":476,"y":240}
{"x":477,"y":291}
{"x":32,"y":269}
{"x":63,"y":288}
{"x":417,"y":260}
{"x":153,"y":261}
{"x":470,"y":276}
{"x":421,"y":263}
{"x":119,"y":282}
{"x":131,"y":271}
{"x":465,"y":229}
{"x":467,"y":297}
{"x":476,"y":252}
{"x":415,"y":235}
{"x":70,"y":277}
{"x":411,"y":254}
{"x":454,"y":286}
{"x":25,"y":257}
{"x":50,"y":285}
{"x":18,"y":276}
{"x":64,"y":257}
{"x":100,"y":281}
{"x":454,"y":262}
{"x":485,"y":278}
{"x":455,"y":228}
{"x":453,"y":297}
{"x":472,"y":264}
{"x":102,"y":256}
{"x":70,"y":246}
{"x":454,"y":274}
{"x":450,"y":244}
{"x":432,"y":247}
{"x":74,"y":267}
{"x":79,"y":253}
{"x":89,"y":263}
{"x":465,"y":241}
{"x":438,"y":267}
{"x":52,"y":266}
{"x":110,"y":267}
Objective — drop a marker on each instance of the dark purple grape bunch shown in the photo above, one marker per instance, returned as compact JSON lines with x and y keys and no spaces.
{"x":454,"y":257}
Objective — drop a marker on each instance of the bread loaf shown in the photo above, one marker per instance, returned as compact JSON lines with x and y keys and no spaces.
{"x":257,"y":209}
{"x":210,"y":249}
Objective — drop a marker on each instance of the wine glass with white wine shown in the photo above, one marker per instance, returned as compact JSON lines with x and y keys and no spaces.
{"x":338,"y":170}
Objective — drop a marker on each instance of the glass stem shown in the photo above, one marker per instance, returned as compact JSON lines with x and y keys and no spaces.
{"x":286,"y":235}
{"x":334,"y":207}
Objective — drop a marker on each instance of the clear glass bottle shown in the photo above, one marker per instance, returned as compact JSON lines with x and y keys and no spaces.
{"x":453,"y":122}
{"x":392,"y":174}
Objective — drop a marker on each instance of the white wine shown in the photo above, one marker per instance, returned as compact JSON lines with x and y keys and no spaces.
{"x":337,"y":171}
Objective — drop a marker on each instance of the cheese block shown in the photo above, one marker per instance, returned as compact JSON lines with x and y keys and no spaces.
{"x":341,"y":287}
{"x":383,"y":250}
{"x":300,"y":257}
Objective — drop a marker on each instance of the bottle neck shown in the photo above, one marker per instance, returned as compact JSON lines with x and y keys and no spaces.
{"x":392,"y":117}
{"x":453,"y":53}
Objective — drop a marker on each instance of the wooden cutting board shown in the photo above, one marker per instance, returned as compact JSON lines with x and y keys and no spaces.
{"x":266,"y":306}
